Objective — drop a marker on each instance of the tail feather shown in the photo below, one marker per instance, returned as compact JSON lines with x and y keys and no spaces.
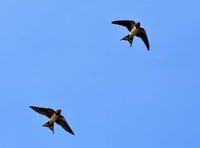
{"x":129,"y":39}
{"x":50,"y":125}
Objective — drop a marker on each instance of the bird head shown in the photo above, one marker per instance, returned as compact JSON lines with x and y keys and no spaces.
{"x":58,"y":111}
{"x":137,"y":25}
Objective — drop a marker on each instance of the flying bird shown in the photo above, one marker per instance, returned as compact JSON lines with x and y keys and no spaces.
{"x":134,"y":30}
{"x":55,"y":116}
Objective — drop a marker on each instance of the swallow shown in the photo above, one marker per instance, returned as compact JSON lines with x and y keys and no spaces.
{"x":134,"y":30}
{"x":55,"y":116}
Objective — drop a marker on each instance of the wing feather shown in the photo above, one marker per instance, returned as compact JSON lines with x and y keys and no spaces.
{"x":63,"y":123}
{"x":142,"y":34}
{"x":127,"y":23}
{"x":44,"y":111}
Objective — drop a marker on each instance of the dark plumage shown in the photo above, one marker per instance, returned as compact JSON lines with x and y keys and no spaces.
{"x":135,"y":30}
{"x":54,"y":116}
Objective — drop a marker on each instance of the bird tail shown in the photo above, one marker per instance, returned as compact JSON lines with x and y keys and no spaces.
{"x":50,"y":125}
{"x":129,"y":39}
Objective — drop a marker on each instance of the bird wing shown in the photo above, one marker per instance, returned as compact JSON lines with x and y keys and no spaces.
{"x":62,"y":122}
{"x":127,"y":23}
{"x":44,"y":111}
{"x":142,"y":34}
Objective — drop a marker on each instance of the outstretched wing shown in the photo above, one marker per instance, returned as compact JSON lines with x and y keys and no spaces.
{"x":62,"y":122}
{"x":127,"y":23}
{"x":142,"y":34}
{"x":44,"y":111}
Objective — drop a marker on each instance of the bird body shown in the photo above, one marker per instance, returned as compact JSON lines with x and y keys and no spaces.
{"x":134,"y":30}
{"x":54,"y":116}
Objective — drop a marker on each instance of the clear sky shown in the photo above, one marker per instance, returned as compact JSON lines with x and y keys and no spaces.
{"x":67,"y":55}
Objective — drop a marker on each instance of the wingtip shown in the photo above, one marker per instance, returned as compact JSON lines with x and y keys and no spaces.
{"x":32,"y":107}
{"x":71,"y":132}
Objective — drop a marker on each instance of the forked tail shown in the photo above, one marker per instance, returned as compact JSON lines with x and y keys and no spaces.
{"x":50,"y":125}
{"x":129,"y":39}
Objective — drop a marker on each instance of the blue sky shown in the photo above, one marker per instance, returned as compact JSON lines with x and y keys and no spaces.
{"x":68,"y":55}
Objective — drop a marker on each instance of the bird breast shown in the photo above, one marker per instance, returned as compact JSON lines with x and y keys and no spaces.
{"x":134,"y":31}
{"x":54,"y":117}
